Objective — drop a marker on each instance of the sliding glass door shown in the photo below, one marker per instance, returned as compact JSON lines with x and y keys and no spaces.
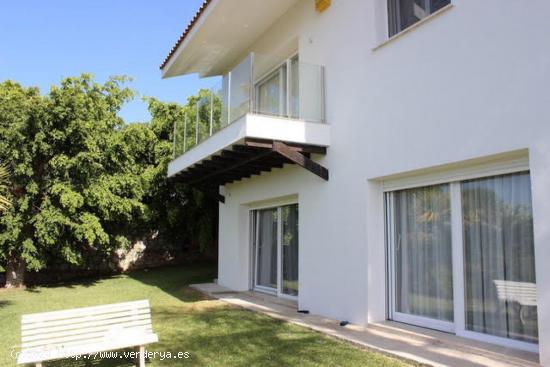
{"x":271,"y":93}
{"x":499,"y":258}
{"x":422,"y":257}
{"x":277,"y":92}
{"x":276,"y":250}
{"x":267,"y":239}
{"x":461,"y":259}
{"x":289,"y":250}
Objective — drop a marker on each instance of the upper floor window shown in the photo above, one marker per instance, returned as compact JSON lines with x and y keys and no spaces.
{"x":404,"y":13}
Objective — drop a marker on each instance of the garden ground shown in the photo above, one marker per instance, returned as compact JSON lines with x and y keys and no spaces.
{"x":214,"y":333}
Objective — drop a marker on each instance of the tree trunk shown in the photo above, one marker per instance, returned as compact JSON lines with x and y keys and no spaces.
{"x":15,"y":273}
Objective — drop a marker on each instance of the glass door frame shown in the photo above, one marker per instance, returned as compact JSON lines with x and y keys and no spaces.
{"x":446,"y":326}
{"x":285,"y":86}
{"x":458,"y":326}
{"x":255,"y":233}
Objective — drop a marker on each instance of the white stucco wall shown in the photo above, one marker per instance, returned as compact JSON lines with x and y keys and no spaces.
{"x":471,"y":82}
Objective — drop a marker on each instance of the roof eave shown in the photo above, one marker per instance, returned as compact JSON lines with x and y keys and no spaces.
{"x":191,"y":28}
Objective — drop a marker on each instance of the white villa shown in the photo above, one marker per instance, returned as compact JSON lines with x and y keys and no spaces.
{"x":379,"y":159}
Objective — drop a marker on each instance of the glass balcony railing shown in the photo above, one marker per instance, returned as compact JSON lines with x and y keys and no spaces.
{"x":288,"y":89}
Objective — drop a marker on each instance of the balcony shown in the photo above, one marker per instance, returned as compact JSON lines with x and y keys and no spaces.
{"x":258,"y":105}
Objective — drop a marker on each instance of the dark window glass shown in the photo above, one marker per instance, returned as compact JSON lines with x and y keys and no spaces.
{"x":404,"y":13}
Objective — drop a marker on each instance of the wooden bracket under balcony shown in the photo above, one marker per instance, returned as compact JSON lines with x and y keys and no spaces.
{"x":252,"y":157}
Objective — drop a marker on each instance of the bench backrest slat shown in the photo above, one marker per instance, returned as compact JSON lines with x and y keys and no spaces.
{"x":85,"y":325}
{"x":90,"y":329}
{"x":84,"y":311}
{"x":46,"y":329}
{"x":92,"y":318}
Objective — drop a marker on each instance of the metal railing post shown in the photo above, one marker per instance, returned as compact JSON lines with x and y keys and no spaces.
{"x":185,"y":133}
{"x":229,"y":97}
{"x":211,"y":111}
{"x":251,"y":92}
{"x":288,"y":87}
{"x":197,"y":126}
{"x":175,"y":139}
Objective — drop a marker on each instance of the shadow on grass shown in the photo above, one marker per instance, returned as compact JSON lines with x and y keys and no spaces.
{"x":175,"y":280}
{"x":97,"y":362}
{"x":169,"y":278}
{"x":217,"y":334}
{"x":225,"y":335}
{"x":86,"y":282}
{"x":5,"y":303}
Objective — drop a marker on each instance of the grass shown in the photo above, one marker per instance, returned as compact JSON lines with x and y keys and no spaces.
{"x":214,"y":333}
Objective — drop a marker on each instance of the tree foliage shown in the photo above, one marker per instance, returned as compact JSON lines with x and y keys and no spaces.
{"x":83,"y":183}
{"x":172,"y":202}
{"x":4,"y":175}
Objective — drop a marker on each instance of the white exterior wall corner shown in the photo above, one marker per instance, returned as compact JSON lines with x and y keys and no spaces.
{"x":332,"y":225}
{"x":471,"y":82}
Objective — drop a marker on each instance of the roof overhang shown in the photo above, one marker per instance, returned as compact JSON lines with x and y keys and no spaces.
{"x":220,"y":34}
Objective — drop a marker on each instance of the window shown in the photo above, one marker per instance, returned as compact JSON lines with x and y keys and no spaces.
{"x":404,"y":13}
{"x":461,"y":259}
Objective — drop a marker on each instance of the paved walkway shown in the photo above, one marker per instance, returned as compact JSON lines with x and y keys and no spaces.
{"x":404,"y":341}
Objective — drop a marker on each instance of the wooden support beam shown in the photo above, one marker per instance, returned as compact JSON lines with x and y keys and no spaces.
{"x":221,"y":178}
{"x":268,"y":144}
{"x":230,"y":177}
{"x":234,"y":165}
{"x":209,"y":167}
{"x":252,"y":158}
{"x":254,"y":168}
{"x":223,"y":162}
{"x":233,"y":154}
{"x":250,"y":150}
{"x":300,"y":159}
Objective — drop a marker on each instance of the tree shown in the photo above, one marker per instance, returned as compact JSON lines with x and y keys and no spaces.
{"x":84,"y":184}
{"x":21,"y":112}
{"x":180,"y":213}
{"x":4,"y":202}
{"x":75,"y":186}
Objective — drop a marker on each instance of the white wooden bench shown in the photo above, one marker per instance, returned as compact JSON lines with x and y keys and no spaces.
{"x":85,"y":331}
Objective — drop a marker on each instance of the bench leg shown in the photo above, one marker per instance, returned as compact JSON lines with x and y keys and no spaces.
{"x":141,"y":357}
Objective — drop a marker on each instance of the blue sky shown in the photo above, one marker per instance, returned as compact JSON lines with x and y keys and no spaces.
{"x":43,"y":41}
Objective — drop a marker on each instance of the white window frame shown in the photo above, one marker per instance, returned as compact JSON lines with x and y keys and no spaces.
{"x":454,"y":179}
{"x":254,"y":213}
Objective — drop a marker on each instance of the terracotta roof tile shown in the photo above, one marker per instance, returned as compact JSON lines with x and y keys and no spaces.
{"x":186,"y":32}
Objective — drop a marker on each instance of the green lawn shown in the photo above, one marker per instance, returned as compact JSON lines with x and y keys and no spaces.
{"x":214,"y":333}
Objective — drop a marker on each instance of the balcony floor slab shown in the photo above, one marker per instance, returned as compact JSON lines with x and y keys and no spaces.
{"x":253,"y":126}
